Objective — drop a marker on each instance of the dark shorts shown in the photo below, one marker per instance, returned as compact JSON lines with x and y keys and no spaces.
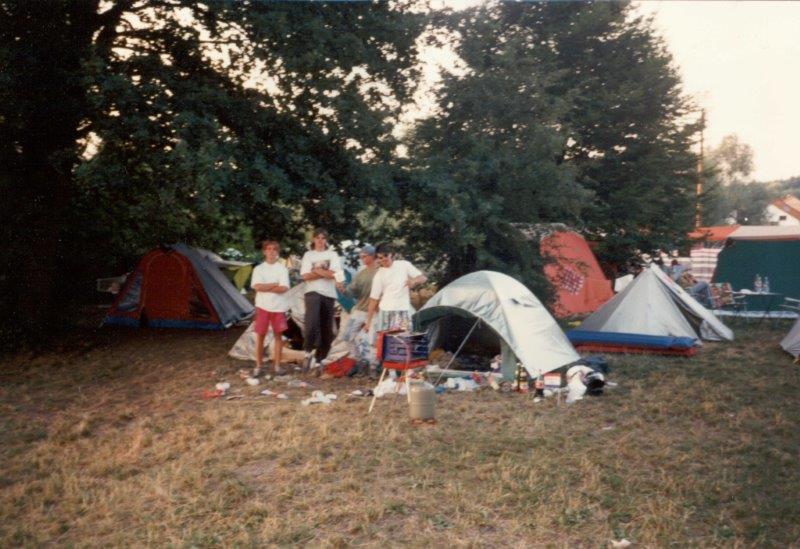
{"x":265,"y":319}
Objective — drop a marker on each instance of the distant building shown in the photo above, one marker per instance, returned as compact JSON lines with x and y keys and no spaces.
{"x":784,"y":211}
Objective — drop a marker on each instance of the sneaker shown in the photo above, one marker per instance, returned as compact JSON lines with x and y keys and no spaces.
{"x":316,"y":368}
{"x":278,"y":370}
{"x":256,"y":371}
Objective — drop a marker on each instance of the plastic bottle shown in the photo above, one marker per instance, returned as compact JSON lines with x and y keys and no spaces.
{"x":757,"y":284}
{"x":765,"y":287}
{"x":539,"y":386}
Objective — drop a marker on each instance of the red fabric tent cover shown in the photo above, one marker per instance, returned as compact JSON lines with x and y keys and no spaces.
{"x":169,"y":292}
{"x":575,"y":274}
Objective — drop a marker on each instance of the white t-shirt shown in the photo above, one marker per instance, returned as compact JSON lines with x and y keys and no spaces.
{"x":389,"y":285}
{"x":275,"y":273}
{"x":327,"y":259}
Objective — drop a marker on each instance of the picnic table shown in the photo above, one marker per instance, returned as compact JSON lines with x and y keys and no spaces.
{"x":761,"y":302}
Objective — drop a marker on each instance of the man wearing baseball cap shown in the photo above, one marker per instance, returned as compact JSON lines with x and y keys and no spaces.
{"x":359,"y":289}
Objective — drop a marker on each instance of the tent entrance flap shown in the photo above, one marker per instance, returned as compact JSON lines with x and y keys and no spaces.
{"x":461,"y":331}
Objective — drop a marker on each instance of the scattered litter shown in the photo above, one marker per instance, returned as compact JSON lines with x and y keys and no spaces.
{"x":252,"y":381}
{"x":608,"y":428}
{"x":233,"y":397}
{"x":612,"y":384}
{"x":537,"y":400}
{"x":268,"y":393}
{"x":207,"y":394}
{"x":319,"y":397}
{"x":244,"y":374}
{"x":389,"y":386}
{"x":297,"y":383}
{"x":582,"y":380}
{"x":440,"y":389}
{"x":222,"y":386}
{"x":621,"y":544}
{"x":283,"y":378}
{"x":461,"y":384}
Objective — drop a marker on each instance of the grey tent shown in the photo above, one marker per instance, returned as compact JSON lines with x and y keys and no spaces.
{"x":177,"y":287}
{"x":791,"y":343}
{"x":653,"y":304}
{"x":509,"y":314}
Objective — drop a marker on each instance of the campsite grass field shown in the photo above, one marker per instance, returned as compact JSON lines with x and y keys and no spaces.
{"x":106,"y":442}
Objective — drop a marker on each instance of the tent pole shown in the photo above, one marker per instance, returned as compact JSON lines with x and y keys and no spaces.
{"x":452,"y":358}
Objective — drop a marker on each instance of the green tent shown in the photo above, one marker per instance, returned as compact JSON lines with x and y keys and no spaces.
{"x":741,"y":260}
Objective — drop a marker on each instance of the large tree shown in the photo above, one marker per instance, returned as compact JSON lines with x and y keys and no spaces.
{"x":130,"y":122}
{"x":566,"y":112}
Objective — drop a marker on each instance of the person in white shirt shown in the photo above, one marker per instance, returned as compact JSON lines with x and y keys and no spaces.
{"x":270,"y":280}
{"x":321,"y":269}
{"x":390,"y":294}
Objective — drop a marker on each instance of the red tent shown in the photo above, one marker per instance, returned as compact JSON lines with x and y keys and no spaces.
{"x":177,"y":287}
{"x":575,"y":273}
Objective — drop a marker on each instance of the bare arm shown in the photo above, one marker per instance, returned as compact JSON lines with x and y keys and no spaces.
{"x":310,"y":276}
{"x":324,"y":273}
{"x":416,"y":281}
{"x":278,"y":289}
{"x":264,"y":287}
{"x":371,"y":308}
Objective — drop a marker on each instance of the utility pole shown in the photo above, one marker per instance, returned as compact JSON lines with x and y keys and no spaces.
{"x":698,"y":208}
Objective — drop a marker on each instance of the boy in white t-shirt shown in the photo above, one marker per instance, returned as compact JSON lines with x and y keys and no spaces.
{"x":270,"y":280}
{"x":321,"y":269}
{"x":390,"y":293}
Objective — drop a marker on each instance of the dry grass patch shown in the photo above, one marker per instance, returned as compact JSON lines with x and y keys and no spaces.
{"x":111,"y":445}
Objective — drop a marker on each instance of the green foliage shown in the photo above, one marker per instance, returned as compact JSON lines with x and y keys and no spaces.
{"x":126,"y":124}
{"x":567,"y":113}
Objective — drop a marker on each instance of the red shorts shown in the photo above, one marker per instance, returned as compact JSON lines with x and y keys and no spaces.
{"x":265,"y":319}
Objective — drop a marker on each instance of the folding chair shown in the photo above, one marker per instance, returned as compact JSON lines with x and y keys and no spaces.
{"x":400,"y":351}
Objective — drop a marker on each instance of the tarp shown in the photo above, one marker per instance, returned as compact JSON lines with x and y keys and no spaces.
{"x":791,"y":343}
{"x":574,"y":272}
{"x":525,"y":328}
{"x":655,"y":305}
{"x":178,"y":287}
{"x":741,"y":260}
{"x":704,"y":262}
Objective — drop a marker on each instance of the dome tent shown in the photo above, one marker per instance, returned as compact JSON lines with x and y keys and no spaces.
{"x":653,"y":304}
{"x":525,"y":329}
{"x":177,"y":287}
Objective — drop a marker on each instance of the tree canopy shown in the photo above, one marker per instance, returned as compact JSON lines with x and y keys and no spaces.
{"x":568,"y":112}
{"x":129,"y":123}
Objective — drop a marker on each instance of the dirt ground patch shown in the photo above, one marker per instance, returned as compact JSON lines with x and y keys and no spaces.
{"x":109,"y":443}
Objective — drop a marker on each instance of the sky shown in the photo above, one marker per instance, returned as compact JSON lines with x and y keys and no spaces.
{"x":741,"y":62}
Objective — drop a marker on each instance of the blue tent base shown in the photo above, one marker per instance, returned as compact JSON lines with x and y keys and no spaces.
{"x":185,"y":324}
{"x":577,"y":337}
